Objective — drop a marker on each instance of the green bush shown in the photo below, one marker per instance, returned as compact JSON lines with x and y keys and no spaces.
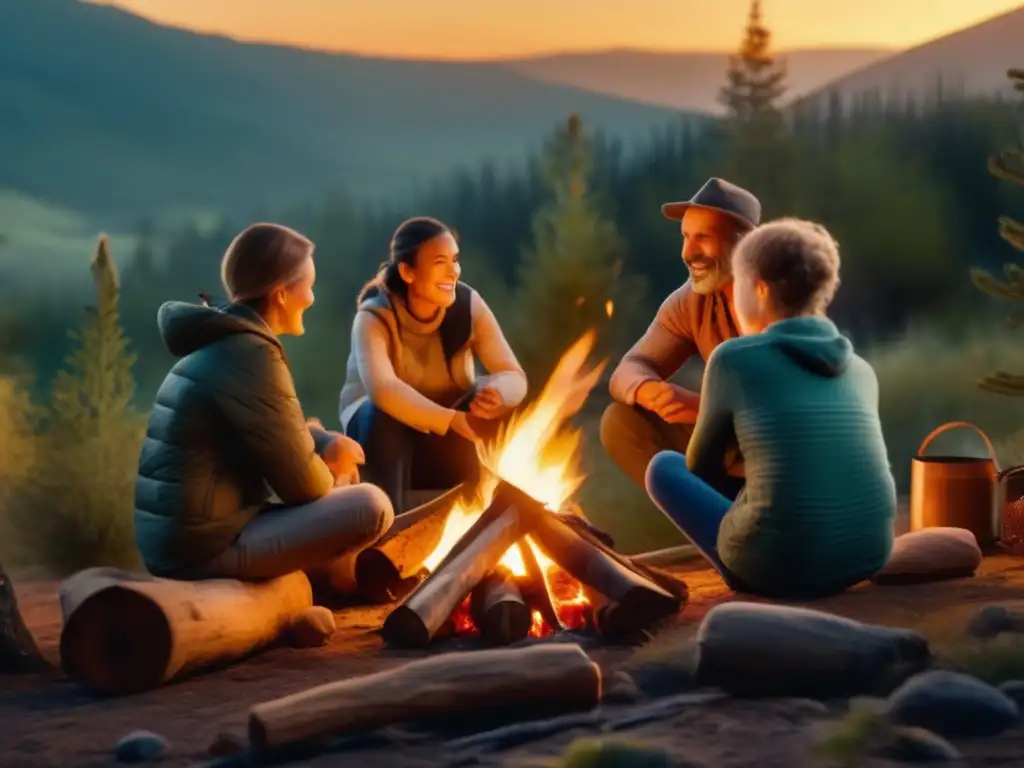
{"x":929,"y":377}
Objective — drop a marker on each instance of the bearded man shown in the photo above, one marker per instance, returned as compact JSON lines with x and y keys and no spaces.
{"x":650,"y":413}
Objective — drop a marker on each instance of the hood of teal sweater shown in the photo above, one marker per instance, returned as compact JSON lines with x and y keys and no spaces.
{"x":814,"y":343}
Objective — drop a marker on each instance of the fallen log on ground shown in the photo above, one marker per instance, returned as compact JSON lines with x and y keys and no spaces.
{"x":18,"y":650}
{"x":381,"y":569}
{"x":126,"y":633}
{"x":559,"y":676}
{"x":415,"y":621}
{"x":498,"y":609}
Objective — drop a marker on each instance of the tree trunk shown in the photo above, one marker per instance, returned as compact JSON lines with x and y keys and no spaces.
{"x":126,"y":633}
{"x":559,"y":676}
{"x":18,"y":650}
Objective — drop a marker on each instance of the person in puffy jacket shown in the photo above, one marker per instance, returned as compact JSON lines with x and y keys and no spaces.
{"x":227,"y":429}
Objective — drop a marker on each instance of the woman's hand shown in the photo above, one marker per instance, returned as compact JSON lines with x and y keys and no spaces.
{"x":487,"y":404}
{"x":462,"y":424}
{"x":343,"y":457}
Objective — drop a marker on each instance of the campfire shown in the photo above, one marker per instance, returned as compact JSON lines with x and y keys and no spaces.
{"x":512,"y":556}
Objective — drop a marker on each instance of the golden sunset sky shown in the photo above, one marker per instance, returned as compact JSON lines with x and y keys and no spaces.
{"x":467,"y":29}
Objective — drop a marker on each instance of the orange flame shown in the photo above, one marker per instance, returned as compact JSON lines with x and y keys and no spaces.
{"x":536,"y":451}
{"x":609,"y":308}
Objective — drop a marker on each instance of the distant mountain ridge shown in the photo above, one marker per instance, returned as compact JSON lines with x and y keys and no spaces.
{"x":687,"y":81}
{"x":109,"y":114}
{"x":972,"y":61}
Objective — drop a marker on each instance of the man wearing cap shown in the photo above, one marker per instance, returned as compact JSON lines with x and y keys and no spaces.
{"x":651,"y":414}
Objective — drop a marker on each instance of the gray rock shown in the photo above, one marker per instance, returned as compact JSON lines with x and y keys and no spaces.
{"x":989,"y":621}
{"x":918,"y":745}
{"x":622,"y":689}
{"x":1015,"y":690}
{"x":952,"y":704}
{"x":139,"y":746}
{"x":761,"y":649}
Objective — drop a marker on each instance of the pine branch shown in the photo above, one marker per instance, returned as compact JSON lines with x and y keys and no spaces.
{"x":1012,"y":231}
{"x":991,"y":285}
{"x":1003,"y":383}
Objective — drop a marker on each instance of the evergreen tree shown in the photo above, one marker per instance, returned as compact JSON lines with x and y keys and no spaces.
{"x":759,"y":151}
{"x":755,"y":79}
{"x":571,"y":278}
{"x":76,"y":509}
{"x":96,"y":388}
{"x":1009,"y":166}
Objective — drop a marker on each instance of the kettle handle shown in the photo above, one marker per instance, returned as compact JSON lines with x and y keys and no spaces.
{"x":953,"y":425}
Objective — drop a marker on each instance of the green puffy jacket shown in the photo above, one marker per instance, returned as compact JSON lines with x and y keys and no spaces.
{"x":226,"y":424}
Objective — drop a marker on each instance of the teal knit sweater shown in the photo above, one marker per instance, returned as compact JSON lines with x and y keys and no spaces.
{"x":816,"y":514}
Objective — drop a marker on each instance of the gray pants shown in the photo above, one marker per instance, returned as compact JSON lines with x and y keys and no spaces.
{"x":322,"y":537}
{"x":632,"y":436}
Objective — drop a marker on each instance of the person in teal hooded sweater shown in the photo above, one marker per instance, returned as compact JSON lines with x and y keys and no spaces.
{"x":816,"y":513}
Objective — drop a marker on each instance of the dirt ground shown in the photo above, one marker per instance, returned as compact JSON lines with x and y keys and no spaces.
{"x":54,"y":723}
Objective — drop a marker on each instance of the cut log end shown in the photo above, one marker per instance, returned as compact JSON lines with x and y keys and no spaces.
{"x":405,"y":628}
{"x":376,"y":576}
{"x":117,"y":641}
{"x":498,"y":609}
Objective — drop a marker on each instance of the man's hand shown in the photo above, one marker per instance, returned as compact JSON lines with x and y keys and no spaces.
{"x":343,"y":457}
{"x":487,"y":404}
{"x":670,"y":402}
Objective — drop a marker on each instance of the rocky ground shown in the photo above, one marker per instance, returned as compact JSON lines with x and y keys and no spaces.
{"x":52,"y":722}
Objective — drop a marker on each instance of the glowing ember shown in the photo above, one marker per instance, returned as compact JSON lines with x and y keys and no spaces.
{"x":537,"y":451}
{"x":609,"y":307}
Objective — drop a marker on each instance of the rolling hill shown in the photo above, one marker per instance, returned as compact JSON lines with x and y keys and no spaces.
{"x":972,"y":61}
{"x":112,"y":117}
{"x":687,"y":81}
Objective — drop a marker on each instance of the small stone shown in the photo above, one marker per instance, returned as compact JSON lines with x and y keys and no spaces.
{"x":952,"y":704}
{"x":225,"y":745}
{"x":931,"y":554}
{"x":622,"y":689}
{"x":1015,"y":690}
{"x":312,"y":627}
{"x":989,"y":621}
{"x":918,"y":745}
{"x":139,"y":746}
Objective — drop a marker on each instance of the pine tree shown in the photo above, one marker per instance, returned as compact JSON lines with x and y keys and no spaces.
{"x":759,"y":151}
{"x":755,"y":79}
{"x":96,"y":388}
{"x":1008,"y":165}
{"x":571,"y":278}
{"x":76,"y":510}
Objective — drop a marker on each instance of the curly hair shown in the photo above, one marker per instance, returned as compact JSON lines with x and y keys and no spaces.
{"x":797,"y":259}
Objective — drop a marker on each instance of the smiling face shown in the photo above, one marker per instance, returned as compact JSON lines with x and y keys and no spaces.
{"x":432,"y":280}
{"x":708,"y":240}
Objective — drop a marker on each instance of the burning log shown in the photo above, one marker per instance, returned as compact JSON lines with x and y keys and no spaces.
{"x":498,"y":609}
{"x":417,"y":619}
{"x":634,"y":601}
{"x":556,"y":676}
{"x":536,"y":590}
{"x":126,"y":633}
{"x":381,"y":570}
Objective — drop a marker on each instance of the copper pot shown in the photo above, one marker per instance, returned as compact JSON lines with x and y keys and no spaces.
{"x":956,"y":491}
